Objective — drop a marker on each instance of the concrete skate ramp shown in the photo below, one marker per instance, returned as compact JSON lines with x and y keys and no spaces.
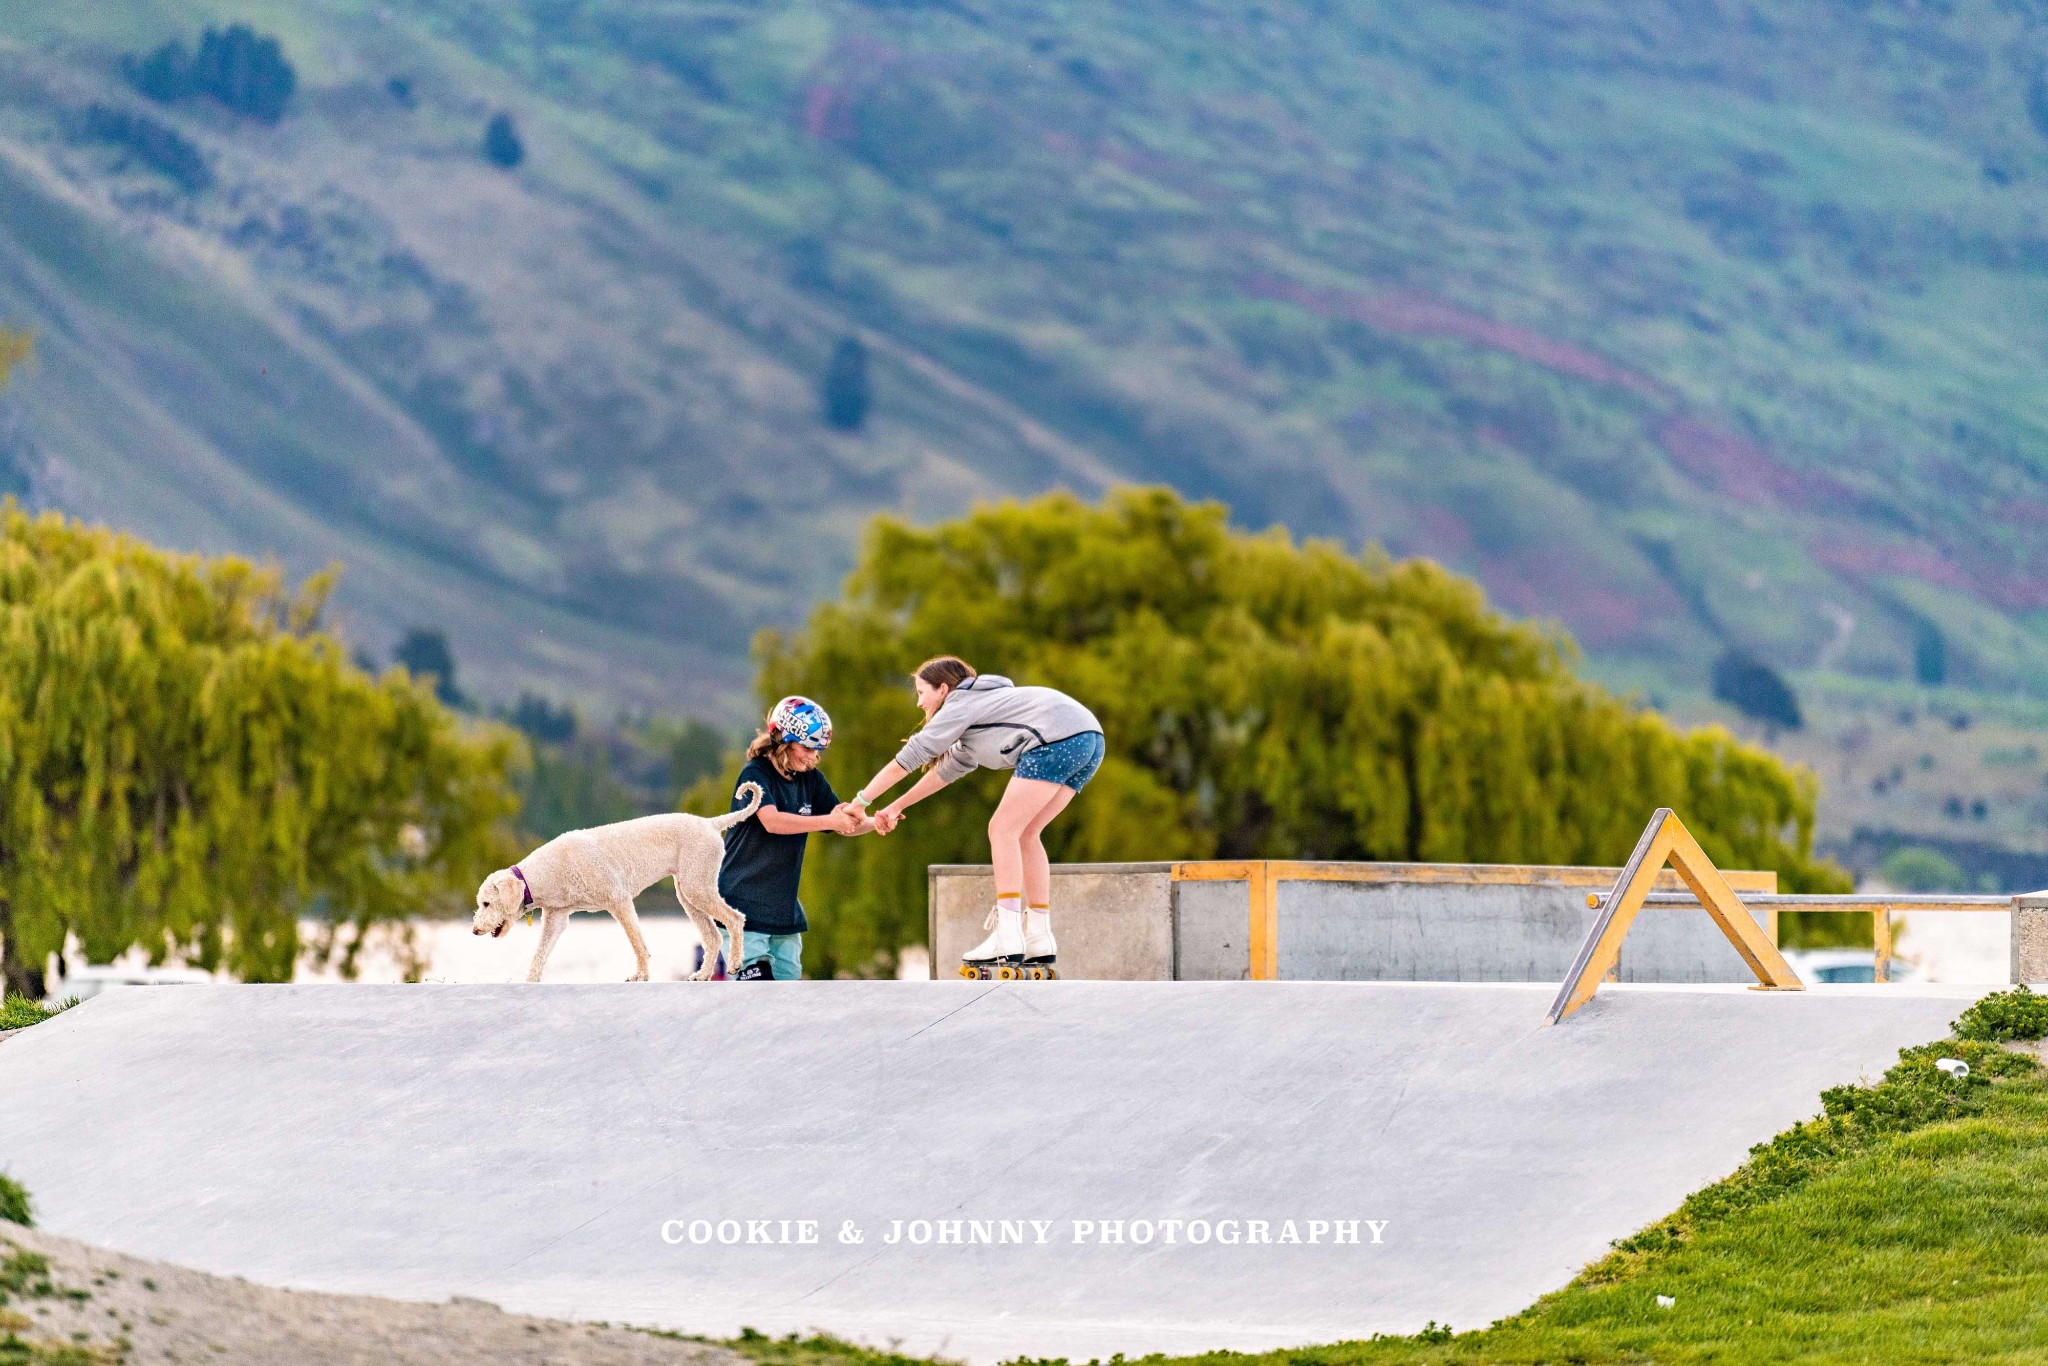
{"x":527,"y":1144}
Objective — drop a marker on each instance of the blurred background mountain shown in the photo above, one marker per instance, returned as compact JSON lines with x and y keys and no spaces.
{"x":589,"y":333}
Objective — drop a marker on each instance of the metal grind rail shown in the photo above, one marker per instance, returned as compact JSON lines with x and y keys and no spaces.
{"x":1751,"y":921}
{"x":1880,"y":907}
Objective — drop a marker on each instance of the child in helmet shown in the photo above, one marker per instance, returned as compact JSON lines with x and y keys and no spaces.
{"x":764,"y":855}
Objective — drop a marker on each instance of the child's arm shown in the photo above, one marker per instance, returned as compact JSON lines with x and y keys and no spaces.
{"x":891,"y":816}
{"x":877,"y":787}
{"x":777,"y":822}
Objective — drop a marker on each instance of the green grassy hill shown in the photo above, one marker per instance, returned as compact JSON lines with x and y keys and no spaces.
{"x":1690,"y":325}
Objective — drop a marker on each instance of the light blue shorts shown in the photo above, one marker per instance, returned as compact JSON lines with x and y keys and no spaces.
{"x":1072,"y":761}
{"x":784,"y":952}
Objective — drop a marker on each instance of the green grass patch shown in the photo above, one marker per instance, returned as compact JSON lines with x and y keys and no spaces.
{"x":19,"y":1012}
{"x":15,"y":1207}
{"x":1908,"y":1222}
{"x":818,"y":1349}
{"x":24,"y":1275}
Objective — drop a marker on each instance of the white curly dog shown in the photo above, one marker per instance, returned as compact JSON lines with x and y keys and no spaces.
{"x":603,"y":869}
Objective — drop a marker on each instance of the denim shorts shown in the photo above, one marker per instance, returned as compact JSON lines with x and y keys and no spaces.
{"x":1072,"y":761}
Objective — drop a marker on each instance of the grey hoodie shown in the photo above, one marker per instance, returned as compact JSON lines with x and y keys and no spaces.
{"x":988,"y":721}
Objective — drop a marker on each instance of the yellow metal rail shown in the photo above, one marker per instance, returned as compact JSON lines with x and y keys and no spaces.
{"x":1880,"y":907}
{"x":1263,"y":877}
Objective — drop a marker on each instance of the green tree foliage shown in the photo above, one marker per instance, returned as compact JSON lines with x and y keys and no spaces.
{"x":1913,"y":869}
{"x":543,"y":722}
{"x":502,"y":144}
{"x":592,"y":775}
{"x":241,"y":68}
{"x":188,"y":763}
{"x":1756,"y":690}
{"x":1261,"y":698}
{"x":1930,"y":653}
{"x":15,"y":1206}
{"x":425,"y":654}
{"x":156,"y":145}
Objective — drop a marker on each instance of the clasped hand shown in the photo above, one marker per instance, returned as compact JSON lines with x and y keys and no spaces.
{"x":853,"y":821}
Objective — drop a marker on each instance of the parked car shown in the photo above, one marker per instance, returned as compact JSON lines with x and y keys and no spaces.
{"x":1820,"y":967}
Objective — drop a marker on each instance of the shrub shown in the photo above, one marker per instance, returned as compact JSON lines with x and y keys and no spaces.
{"x":1921,"y":870}
{"x":165,"y":75}
{"x":543,"y":720}
{"x":1930,"y":653}
{"x":502,"y":144}
{"x":1914,"y":1093}
{"x":15,"y":1207}
{"x":241,"y":68}
{"x":1756,"y":690}
{"x":846,"y":391}
{"x":425,"y":655}
{"x":245,"y":71}
{"x":157,"y":145}
{"x":2005,"y":1015}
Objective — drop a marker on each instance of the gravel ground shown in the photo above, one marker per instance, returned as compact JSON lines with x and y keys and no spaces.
{"x":89,"y":1305}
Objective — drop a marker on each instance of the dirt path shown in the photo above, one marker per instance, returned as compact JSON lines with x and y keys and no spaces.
{"x":84,"y":1305}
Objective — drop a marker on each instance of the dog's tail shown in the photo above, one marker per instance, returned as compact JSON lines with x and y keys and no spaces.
{"x":731,"y":818}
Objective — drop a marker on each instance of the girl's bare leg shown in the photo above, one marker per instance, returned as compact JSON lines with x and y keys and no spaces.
{"x":1038,"y":867}
{"x":1023,"y":802}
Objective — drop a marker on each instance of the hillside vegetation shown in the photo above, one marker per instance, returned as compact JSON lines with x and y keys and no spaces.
{"x":1695,"y":325}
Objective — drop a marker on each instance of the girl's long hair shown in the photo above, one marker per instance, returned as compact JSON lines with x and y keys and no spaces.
{"x":943,"y":671}
{"x":765,"y":743}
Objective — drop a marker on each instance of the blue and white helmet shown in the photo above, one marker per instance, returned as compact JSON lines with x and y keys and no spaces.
{"x":800,"y":721}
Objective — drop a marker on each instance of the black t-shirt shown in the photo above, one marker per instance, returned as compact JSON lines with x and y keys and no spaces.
{"x":761,"y":871}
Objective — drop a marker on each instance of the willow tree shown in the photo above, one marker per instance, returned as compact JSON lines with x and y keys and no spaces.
{"x":189,"y":763}
{"x":1262,"y":699}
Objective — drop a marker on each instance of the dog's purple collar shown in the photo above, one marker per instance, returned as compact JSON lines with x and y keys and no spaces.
{"x":524,"y":886}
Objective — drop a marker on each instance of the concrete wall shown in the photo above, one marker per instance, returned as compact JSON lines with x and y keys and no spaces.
{"x":1394,"y":922}
{"x":1117,"y":925}
{"x":1466,"y":932}
{"x":2030,"y":938}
